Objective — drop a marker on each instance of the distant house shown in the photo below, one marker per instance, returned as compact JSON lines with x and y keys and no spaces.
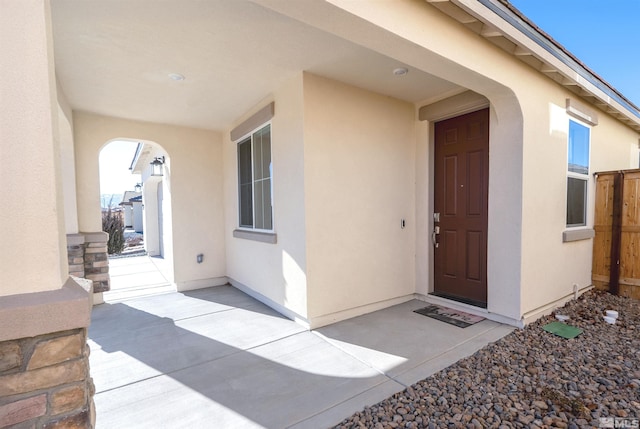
{"x":137,"y":223}
{"x":132,"y":205}
{"x":330,"y":159}
{"x":154,"y":198}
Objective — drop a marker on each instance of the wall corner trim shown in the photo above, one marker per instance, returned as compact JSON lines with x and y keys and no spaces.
{"x":254,"y":121}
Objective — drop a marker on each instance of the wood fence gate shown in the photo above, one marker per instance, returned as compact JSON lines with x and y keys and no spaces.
{"x":616,"y":246}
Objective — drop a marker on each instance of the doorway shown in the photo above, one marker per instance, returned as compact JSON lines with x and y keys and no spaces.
{"x":461,"y":185}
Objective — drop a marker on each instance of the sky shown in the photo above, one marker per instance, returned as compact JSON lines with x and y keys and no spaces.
{"x":115,"y":176}
{"x":603,"y":34}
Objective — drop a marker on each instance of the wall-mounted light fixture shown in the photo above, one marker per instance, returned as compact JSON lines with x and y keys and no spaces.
{"x":138,"y":187}
{"x":156,"y":166}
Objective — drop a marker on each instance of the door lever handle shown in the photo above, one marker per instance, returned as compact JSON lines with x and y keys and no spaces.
{"x":434,"y":236}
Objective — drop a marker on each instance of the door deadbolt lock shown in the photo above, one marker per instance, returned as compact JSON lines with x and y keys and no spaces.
{"x":436,"y":217}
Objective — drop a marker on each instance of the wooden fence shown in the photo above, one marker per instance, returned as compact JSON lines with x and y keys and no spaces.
{"x":617,"y":228}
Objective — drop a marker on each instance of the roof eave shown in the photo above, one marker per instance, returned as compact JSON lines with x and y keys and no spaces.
{"x":502,"y":24}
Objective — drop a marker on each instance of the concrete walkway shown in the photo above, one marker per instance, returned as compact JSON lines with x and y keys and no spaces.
{"x":217,"y":358}
{"x":137,"y":276}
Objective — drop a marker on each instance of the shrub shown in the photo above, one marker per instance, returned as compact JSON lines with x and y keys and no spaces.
{"x":113,"y":225}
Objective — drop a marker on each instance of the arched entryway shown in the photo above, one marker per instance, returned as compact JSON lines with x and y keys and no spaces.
{"x":142,"y":197}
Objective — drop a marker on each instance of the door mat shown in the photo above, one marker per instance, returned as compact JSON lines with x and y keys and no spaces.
{"x":563,"y":330}
{"x":449,"y":315}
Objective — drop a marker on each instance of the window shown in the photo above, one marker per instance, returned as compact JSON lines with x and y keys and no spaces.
{"x":254,"y":180}
{"x":577,"y":174}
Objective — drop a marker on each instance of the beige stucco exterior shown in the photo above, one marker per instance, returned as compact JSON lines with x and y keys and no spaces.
{"x":352,"y":151}
{"x":370,"y":146}
{"x":194,"y":184}
{"x":277,"y":272}
{"x":351,"y":161}
{"x":32,"y":218}
{"x":527,"y":193}
{"x":359,"y":186}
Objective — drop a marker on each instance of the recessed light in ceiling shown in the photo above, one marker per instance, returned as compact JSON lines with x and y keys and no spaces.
{"x":176,"y":76}
{"x":400,"y":71}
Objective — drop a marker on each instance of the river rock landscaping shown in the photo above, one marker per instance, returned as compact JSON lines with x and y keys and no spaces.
{"x":532,"y":378}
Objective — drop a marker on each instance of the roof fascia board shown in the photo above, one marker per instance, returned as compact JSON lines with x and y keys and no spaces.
{"x":141,"y":157}
{"x":136,"y":157}
{"x":497,"y":15}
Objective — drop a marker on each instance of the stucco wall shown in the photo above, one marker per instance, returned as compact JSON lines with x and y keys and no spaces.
{"x":196,"y":188}
{"x":275,"y":271}
{"x":421,"y":36}
{"x":350,"y":164}
{"x":529,"y":265}
{"x":67,"y":162}
{"x":551,"y":268}
{"x":359,"y":185}
{"x":32,"y":215}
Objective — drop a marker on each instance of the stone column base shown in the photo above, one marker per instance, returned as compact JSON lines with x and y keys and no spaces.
{"x":44,"y":359}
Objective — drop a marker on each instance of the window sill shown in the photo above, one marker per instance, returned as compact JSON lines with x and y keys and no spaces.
{"x":577,"y":234}
{"x":263,"y":237}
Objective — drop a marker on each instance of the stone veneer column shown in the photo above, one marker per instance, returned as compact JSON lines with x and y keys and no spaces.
{"x":45,"y":383}
{"x":88,"y":258}
{"x":44,"y":359}
{"x":75,"y":254}
{"x":96,"y":260}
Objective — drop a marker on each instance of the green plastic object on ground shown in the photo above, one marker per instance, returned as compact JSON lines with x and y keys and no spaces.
{"x":563,"y":330}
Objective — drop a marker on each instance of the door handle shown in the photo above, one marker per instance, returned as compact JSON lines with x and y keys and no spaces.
{"x":434,"y":236}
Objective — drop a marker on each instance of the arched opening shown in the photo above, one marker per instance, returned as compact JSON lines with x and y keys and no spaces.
{"x":118,"y":197}
{"x":134,"y":190}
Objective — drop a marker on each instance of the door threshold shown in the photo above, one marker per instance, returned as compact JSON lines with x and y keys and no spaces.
{"x":466,"y":301}
{"x":456,"y":305}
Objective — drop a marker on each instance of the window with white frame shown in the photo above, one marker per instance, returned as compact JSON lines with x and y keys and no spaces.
{"x":254,"y":180}
{"x":577,"y":173}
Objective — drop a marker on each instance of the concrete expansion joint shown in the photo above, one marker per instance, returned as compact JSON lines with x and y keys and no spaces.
{"x":202,"y":314}
{"x":342,"y":349}
{"x":395,"y":379}
{"x":276,"y":340}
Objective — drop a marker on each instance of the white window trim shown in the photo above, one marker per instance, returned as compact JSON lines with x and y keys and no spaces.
{"x":253,"y":207}
{"x":585,"y":177}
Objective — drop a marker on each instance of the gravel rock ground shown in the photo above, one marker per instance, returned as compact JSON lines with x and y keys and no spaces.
{"x":531,"y":378}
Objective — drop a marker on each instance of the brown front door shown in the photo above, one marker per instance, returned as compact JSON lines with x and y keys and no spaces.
{"x":461,"y":190}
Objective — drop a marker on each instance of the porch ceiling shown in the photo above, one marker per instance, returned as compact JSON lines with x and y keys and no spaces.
{"x":114,"y":58}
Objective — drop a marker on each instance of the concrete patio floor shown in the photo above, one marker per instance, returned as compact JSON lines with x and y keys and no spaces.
{"x":217,"y":358}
